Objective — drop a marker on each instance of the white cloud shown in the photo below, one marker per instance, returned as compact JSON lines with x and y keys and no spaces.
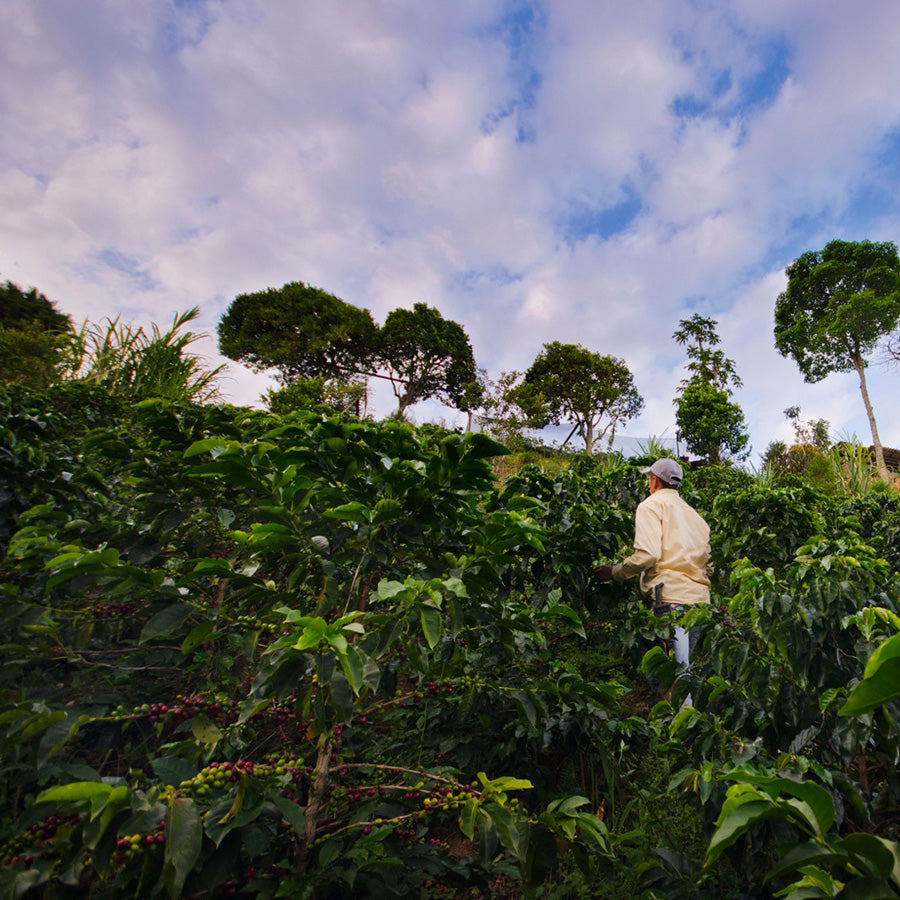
{"x":155,"y":157}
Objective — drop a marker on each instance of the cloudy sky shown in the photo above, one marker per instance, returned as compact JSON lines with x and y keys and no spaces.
{"x":586,"y":171}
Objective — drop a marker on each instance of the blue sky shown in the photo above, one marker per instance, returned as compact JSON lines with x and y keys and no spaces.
{"x":582,"y":170}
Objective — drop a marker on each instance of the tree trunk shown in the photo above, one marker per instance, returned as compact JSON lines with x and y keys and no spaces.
{"x":880,"y":465}
{"x":588,"y":434}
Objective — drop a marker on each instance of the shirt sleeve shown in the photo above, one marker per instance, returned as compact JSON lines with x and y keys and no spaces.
{"x":647,"y":543}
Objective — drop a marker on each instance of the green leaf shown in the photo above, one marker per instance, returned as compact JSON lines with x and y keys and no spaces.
{"x":184,"y":839}
{"x":480,"y":446}
{"x":117,"y":797}
{"x":867,"y":889}
{"x":736,"y":820}
{"x":389,"y":589}
{"x":292,"y":813}
{"x":813,"y":802}
{"x":208,"y":445}
{"x":78,"y":790}
{"x":432,"y":624}
{"x":352,"y":665}
{"x":312,"y":634}
{"x":882,"y":686}
{"x":387,"y":510}
{"x":197,"y":636}
{"x":210,"y":566}
{"x":173,"y":769}
{"x":561,"y":611}
{"x":468,"y":816}
{"x":502,"y":819}
{"x":807,"y":853}
{"x":166,"y":622}
{"x":871,"y":852}
{"x":350,"y":512}
{"x":250,"y":707}
{"x":205,"y":731}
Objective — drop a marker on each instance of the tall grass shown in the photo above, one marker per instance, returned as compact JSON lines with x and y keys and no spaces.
{"x":854,"y":467}
{"x":132,"y":363}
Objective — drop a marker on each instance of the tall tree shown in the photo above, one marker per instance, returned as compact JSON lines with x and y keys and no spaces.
{"x":298,"y":330}
{"x":711,"y":424}
{"x":426,"y":355}
{"x":839,"y":302}
{"x":567,"y":383}
{"x":710,"y":365}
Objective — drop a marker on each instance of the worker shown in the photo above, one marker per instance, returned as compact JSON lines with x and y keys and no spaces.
{"x":671,"y":551}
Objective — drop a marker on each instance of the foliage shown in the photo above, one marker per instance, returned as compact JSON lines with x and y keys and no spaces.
{"x":869,"y":865}
{"x":711,"y":425}
{"x":32,"y":333}
{"x":266,"y":633}
{"x":307,"y":656}
{"x":501,"y":416}
{"x":427,"y":356}
{"x":318,"y":393}
{"x":128,"y":362}
{"x":708,"y":420}
{"x":839,"y":302}
{"x":20,"y":308}
{"x":567,"y":383}
{"x":298,"y":330}
{"x":698,"y":334}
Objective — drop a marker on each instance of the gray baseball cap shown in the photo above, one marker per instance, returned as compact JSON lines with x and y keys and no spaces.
{"x":665,"y":469}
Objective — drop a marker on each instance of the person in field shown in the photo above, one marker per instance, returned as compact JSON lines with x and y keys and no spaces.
{"x":671,"y":551}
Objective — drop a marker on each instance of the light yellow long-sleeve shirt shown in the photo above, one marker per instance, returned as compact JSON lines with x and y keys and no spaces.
{"x":671,"y":547}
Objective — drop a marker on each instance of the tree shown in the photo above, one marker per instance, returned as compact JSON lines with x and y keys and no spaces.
{"x":32,"y":335}
{"x":839,"y":302}
{"x":426,"y":355}
{"x":708,"y":365}
{"x":567,"y":383}
{"x":301,"y":331}
{"x":709,"y":421}
{"x":500,"y":415}
{"x":318,"y":393}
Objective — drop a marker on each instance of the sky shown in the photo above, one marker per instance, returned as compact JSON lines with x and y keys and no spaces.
{"x":584,"y":171}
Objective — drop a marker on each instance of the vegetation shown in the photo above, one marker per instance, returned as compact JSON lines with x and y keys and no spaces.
{"x":298,"y":330}
{"x":308,"y":656}
{"x":294,"y":653}
{"x":32,"y":337}
{"x":567,"y":383}
{"x":426,"y":355}
{"x":711,"y":424}
{"x":839,"y":302}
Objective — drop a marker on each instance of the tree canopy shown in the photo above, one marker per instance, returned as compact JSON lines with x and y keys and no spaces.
{"x":709,"y":421}
{"x":32,"y":332}
{"x":699,"y":334}
{"x":567,"y":383}
{"x":426,"y":355}
{"x":301,"y":331}
{"x":838,"y":304}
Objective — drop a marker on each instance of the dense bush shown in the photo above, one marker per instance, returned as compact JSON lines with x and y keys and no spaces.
{"x":306,"y":656}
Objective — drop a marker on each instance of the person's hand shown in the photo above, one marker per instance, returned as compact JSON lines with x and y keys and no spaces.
{"x":602,"y":573}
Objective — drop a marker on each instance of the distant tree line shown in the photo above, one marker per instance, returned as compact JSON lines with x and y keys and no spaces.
{"x":839,"y":303}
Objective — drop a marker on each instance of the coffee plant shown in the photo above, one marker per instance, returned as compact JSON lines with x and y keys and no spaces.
{"x":309,"y":656}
